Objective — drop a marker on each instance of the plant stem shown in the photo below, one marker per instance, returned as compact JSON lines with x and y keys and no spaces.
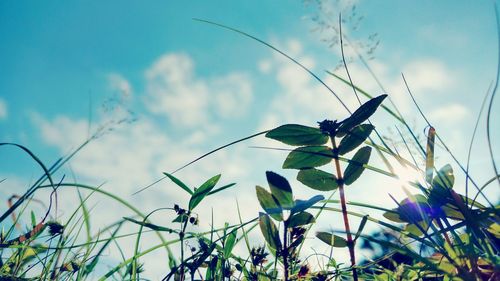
{"x":285,"y":250}
{"x":350,"y":242}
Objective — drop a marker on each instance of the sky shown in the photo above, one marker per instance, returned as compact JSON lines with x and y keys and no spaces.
{"x":161,"y":88}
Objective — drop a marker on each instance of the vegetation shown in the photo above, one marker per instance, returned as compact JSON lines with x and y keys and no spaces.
{"x":433,"y":234}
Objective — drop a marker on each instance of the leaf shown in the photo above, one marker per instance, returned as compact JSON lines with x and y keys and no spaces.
{"x":293,"y":134}
{"x":393,"y":216}
{"x":360,"y":115}
{"x":452,"y":212}
{"x":301,"y":205}
{"x":308,"y":157}
{"x":150,"y":225}
{"x":429,"y":155}
{"x":269,"y":231}
{"x":280,"y":189}
{"x":268,"y":203}
{"x":356,"y":136}
{"x":179,"y":183}
{"x":33,"y":219}
{"x":229,"y":243}
{"x":413,"y":211}
{"x":331,"y":239}
{"x":221,"y":188}
{"x":317,"y":179}
{"x":355,"y":167}
{"x":361,"y":226}
{"x":416,"y":230}
{"x":444,"y":178}
{"x":300,"y":219}
{"x":203,"y":191}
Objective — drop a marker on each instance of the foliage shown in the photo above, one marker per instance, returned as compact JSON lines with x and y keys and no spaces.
{"x":433,"y":234}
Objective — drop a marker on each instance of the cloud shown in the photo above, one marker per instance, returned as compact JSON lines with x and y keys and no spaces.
{"x":449,"y":114}
{"x":173,"y":90}
{"x":119,"y":83}
{"x":3,"y":110}
{"x":426,"y":75}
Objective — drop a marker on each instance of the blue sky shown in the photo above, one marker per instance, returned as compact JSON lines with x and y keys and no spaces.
{"x":192,"y":86}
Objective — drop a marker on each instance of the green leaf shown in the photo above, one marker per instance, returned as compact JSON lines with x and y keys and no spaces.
{"x":452,"y":212}
{"x":356,"y":136}
{"x":308,"y":157}
{"x":293,"y":134}
{"x":356,"y":165}
{"x":393,"y":216}
{"x":317,"y":179}
{"x":150,"y":225}
{"x":429,"y":154}
{"x":444,"y":178}
{"x":179,"y":183}
{"x":414,"y":210}
{"x":301,"y":205}
{"x":268,"y":203}
{"x":269,"y":231}
{"x":300,"y":219}
{"x":416,"y":230}
{"x":221,"y":188}
{"x":360,"y":115}
{"x":203,"y":191}
{"x":280,"y":189}
{"x":33,"y":219}
{"x":229,"y":243}
{"x":331,"y":239}
{"x":361,"y":226}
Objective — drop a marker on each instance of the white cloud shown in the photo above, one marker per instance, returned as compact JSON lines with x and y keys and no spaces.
{"x":425,"y":75}
{"x":449,"y":114}
{"x":119,"y":83}
{"x":265,"y":66}
{"x":3,"y":109}
{"x":173,"y":90}
{"x":233,"y":94}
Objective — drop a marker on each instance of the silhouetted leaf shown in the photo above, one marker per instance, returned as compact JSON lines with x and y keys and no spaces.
{"x":202,"y":191}
{"x":269,"y":231}
{"x":300,"y":219}
{"x":302,"y":205}
{"x":317,"y":179}
{"x":280,"y":189}
{"x":356,"y":136}
{"x":308,"y":157}
{"x":355,"y":167}
{"x":268,"y":203}
{"x":293,"y":134}
{"x":331,"y":239}
{"x":360,"y":115}
{"x":179,"y":183}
